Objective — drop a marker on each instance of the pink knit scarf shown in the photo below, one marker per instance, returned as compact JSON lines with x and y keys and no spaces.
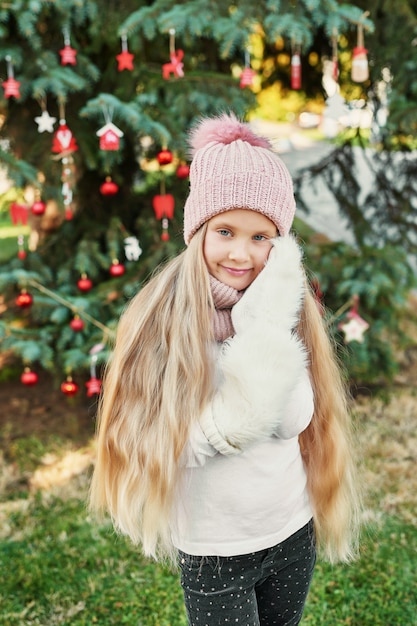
{"x":224,"y":298}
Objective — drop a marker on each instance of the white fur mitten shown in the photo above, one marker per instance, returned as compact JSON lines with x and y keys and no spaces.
{"x":262,"y":364}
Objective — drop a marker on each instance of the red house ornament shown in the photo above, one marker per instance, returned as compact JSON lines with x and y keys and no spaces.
{"x":109,"y":137}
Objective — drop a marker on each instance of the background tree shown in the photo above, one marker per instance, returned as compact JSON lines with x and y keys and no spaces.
{"x":153,"y":114}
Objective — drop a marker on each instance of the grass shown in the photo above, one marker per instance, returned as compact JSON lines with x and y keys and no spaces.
{"x":56,"y":567}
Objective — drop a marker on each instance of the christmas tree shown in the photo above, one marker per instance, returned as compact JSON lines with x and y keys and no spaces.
{"x":97,"y":98}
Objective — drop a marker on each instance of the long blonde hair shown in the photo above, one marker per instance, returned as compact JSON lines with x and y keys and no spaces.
{"x":158,"y":381}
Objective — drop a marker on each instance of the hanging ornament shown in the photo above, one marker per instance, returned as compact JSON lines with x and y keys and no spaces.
{"x":164,"y":157}
{"x":38,"y":207}
{"x":360,"y":69}
{"x":19,"y":215}
{"x":132,"y":248}
{"x":165,"y":233}
{"x":124,"y":59}
{"x":183,"y":170}
{"x":109,"y":188}
{"x":28,"y":377}
{"x":296,"y":68}
{"x":335,"y":56}
{"x":109,"y":137}
{"x":67,"y":178}
{"x":84,"y":283}
{"x":24,"y":300}
{"x":21,"y":253}
{"x":94,"y":384}
{"x":63,"y":141}
{"x":175,"y":66}
{"x":109,"y":133}
{"x":163,"y":206}
{"x":354,"y":326}
{"x":69,"y":387}
{"x":116,"y":268}
{"x":11,"y":86}
{"x":77,"y":324}
{"x":44,"y":121}
{"x":248,"y":74}
{"x":67,"y":53}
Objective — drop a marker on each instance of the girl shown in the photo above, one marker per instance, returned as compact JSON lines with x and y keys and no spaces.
{"x":223,"y":435}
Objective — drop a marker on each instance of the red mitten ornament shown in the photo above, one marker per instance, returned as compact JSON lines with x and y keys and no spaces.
{"x":63,"y":140}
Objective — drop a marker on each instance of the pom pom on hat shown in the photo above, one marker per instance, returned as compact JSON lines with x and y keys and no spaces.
{"x":223,"y":129}
{"x":233,"y":168}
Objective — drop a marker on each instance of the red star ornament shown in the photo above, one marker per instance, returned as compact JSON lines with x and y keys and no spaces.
{"x":125,"y":60}
{"x":11,"y":88}
{"x":93,"y":386}
{"x":68,"y":55}
{"x":246,"y":77}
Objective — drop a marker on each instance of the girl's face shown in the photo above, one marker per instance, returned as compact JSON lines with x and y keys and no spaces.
{"x":237,"y":245}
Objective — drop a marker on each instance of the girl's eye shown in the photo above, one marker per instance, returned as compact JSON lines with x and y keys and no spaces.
{"x":224,"y":232}
{"x":259,"y":237}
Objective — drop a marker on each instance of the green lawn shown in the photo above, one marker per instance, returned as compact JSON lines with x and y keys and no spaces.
{"x":56,"y":567}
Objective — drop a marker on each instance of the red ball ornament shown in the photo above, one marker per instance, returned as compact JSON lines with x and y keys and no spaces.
{"x":183,"y":170}
{"x":21,"y":254}
{"x":84,"y":283}
{"x":24,"y":300}
{"x":109,"y":188}
{"x":164,"y":157}
{"x":38,"y":207}
{"x":165,"y":236}
{"x":117,"y":269}
{"x":28,"y":377}
{"x":69,"y":387}
{"x":77,"y":324}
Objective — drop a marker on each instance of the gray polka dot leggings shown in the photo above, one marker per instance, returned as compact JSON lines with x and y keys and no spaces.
{"x":265,"y":588}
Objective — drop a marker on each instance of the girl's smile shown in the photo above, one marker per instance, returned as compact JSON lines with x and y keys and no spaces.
{"x":237,"y":245}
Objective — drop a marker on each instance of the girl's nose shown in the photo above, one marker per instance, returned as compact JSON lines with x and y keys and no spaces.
{"x":239,"y":251}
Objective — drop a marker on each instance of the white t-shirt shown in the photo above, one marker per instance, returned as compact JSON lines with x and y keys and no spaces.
{"x":229,"y":505}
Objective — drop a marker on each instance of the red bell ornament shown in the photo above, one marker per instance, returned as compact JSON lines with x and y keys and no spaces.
{"x":84,"y":283}
{"x":116,"y":268}
{"x":28,"y":377}
{"x":69,"y":387}
{"x":164,"y":157}
{"x":24,"y":300}
{"x":183,"y":170}
{"x":77,"y":324}
{"x":38,"y":207}
{"x":109,"y":188}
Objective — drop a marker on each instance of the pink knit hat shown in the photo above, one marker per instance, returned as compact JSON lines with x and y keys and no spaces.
{"x":233,"y":168}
